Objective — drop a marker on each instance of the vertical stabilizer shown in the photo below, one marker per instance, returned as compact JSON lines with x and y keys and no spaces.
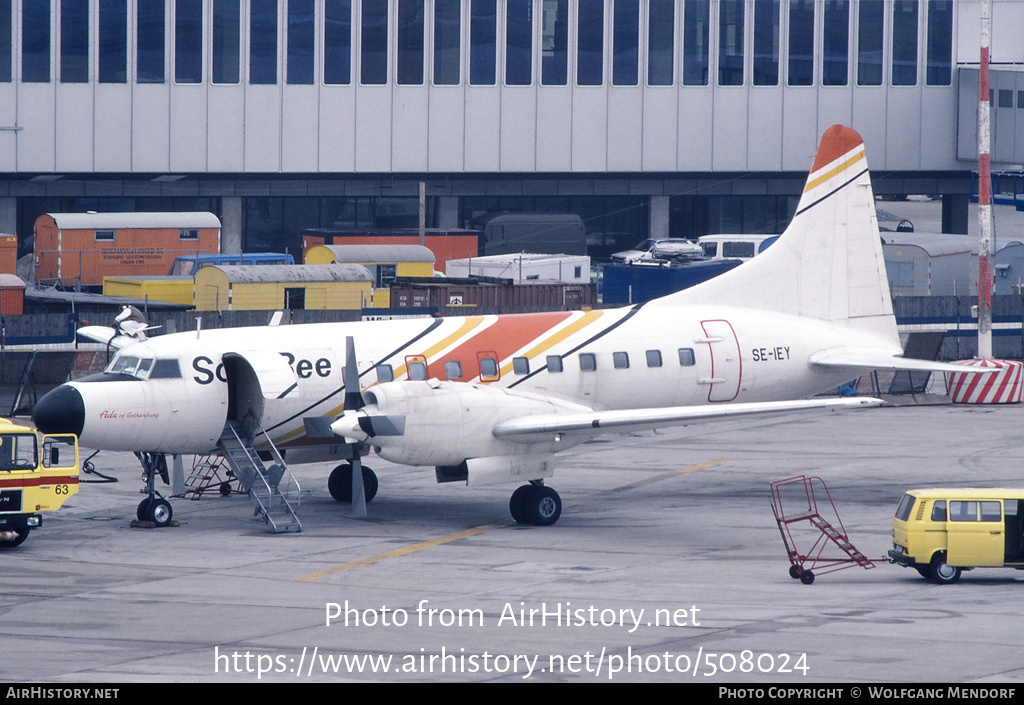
{"x":828,"y":263}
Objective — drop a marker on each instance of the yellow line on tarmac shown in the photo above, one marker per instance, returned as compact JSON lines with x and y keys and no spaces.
{"x":423,"y":545}
{"x":668,"y":475}
{"x":399,"y":552}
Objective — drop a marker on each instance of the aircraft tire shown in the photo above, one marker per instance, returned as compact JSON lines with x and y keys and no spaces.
{"x":543,"y":506}
{"x":160,"y":512}
{"x":517,"y":504}
{"x":339,"y":484}
{"x":142,"y":513}
{"x":941,"y":572}
{"x":22,"y":536}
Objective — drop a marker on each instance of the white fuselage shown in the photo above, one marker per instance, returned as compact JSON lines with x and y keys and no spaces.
{"x":612,"y":359}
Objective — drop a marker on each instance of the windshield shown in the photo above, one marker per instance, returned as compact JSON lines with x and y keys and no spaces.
{"x":131,"y":365}
{"x":17,"y":451}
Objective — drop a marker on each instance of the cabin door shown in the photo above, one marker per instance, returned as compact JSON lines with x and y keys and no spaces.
{"x":726,"y":367}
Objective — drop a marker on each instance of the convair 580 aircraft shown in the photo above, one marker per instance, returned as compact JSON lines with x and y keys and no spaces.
{"x":489,"y":399}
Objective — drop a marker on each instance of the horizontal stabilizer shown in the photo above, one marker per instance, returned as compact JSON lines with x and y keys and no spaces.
{"x":636,"y":419}
{"x":869,"y":360}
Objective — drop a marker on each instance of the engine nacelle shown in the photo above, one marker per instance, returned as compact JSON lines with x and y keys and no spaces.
{"x":447,"y":423}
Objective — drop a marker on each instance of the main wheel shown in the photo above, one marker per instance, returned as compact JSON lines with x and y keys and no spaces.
{"x":941,"y":572}
{"x":160,"y":512}
{"x":517,"y":504}
{"x":339,"y":484}
{"x":543,"y":506}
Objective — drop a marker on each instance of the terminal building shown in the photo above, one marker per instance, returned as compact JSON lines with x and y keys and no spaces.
{"x":643,"y":117}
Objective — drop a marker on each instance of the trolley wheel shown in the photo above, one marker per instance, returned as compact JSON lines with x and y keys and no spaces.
{"x":807,"y":577}
{"x":225,"y":489}
{"x":794,"y":572}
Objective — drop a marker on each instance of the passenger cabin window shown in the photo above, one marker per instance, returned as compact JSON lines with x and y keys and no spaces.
{"x":554,"y":363}
{"x":939,"y":510}
{"x":385,"y":373}
{"x":686,"y":357}
{"x":588,"y":363}
{"x":521,"y":365}
{"x":620,"y":360}
{"x":489,"y":369}
{"x":418,"y":371}
{"x":654,"y":358}
{"x":453,"y":369}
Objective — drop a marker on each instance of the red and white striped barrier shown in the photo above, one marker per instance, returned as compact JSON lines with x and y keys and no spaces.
{"x":1002,"y":387}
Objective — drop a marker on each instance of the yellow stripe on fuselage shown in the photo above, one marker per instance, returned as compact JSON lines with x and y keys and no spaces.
{"x":546,"y":344}
{"x":469,"y":324}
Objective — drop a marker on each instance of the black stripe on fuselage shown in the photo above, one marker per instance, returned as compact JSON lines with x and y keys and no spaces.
{"x":585,"y":343}
{"x":429,"y":329}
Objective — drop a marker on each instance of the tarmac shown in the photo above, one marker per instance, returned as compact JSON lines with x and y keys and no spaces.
{"x":666,"y":565}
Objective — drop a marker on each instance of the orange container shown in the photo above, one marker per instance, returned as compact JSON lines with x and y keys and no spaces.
{"x":79,"y":249}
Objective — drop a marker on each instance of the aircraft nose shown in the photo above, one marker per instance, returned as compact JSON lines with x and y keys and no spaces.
{"x":61,"y":410}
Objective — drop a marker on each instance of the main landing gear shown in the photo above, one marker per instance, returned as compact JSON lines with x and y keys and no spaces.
{"x":339,"y":484}
{"x":535,"y":504}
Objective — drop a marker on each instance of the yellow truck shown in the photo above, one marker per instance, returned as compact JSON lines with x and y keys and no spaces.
{"x":37,"y":474}
{"x":942,"y":532}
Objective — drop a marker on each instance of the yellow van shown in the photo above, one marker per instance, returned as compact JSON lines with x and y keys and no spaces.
{"x":942,"y":532}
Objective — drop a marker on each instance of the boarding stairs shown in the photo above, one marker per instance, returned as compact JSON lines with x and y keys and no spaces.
{"x":273,"y":489}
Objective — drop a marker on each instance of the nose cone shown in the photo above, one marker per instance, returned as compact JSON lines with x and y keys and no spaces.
{"x":61,"y":410}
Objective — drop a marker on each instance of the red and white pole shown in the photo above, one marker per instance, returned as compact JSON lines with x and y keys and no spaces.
{"x":984,"y":195}
{"x":1005,"y":385}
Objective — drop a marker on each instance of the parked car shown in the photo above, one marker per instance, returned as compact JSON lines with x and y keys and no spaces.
{"x":667,"y":248}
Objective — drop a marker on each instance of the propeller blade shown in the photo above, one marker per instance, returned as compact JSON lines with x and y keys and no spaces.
{"x":358,"y":493}
{"x":353,"y":397}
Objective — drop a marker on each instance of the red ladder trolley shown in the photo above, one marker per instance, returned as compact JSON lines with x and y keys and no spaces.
{"x":801,"y":505}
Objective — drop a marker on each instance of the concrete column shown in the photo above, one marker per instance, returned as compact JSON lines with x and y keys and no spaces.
{"x":447,"y":212}
{"x":955,"y":209}
{"x":9,"y":216}
{"x":231,"y":225}
{"x":658,"y":210}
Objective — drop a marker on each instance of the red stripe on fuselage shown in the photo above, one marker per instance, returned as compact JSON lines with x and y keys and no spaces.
{"x":504,"y":337}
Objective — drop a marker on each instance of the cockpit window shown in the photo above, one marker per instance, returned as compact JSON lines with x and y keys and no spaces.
{"x":165,"y":369}
{"x":131,"y":365}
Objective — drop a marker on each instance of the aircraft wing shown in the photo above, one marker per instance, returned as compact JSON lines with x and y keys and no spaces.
{"x":637,"y":419}
{"x":868,"y":360}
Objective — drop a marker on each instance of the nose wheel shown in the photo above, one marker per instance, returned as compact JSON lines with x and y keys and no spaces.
{"x":154,"y":508}
{"x":535,"y":505}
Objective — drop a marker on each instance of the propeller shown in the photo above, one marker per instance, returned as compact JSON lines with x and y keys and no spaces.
{"x":354,"y":402}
